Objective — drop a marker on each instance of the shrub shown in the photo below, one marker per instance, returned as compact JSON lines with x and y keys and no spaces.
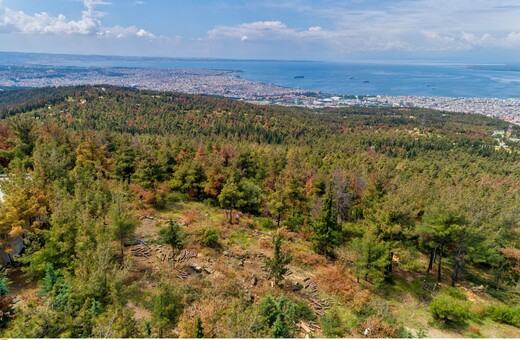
{"x":506,"y":314}
{"x":404,"y":333}
{"x":449,"y":310}
{"x":294,"y":222}
{"x":455,"y":293}
{"x":6,"y":302}
{"x":338,"y":322}
{"x":379,"y":328}
{"x":266,"y":223}
{"x":210,"y":238}
{"x":171,"y":234}
{"x":279,"y":315}
{"x":167,"y":307}
{"x":334,"y":280}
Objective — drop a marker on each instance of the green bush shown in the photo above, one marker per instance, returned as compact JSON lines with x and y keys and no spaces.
{"x":338,"y":322}
{"x":449,"y":310}
{"x":266,"y":223}
{"x":210,"y":238}
{"x":279,"y":315}
{"x":455,"y":293}
{"x":404,"y":333}
{"x":167,"y":307}
{"x":506,"y":314}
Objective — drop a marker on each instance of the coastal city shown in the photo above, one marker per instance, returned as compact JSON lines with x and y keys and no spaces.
{"x":229,"y":83}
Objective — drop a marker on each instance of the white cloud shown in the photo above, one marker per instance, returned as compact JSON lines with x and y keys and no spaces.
{"x":44,"y":23}
{"x":18,"y":21}
{"x":125,"y":32}
{"x":409,"y":25}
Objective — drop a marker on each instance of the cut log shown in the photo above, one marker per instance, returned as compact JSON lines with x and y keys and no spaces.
{"x":195,"y":267}
{"x":304,"y":326}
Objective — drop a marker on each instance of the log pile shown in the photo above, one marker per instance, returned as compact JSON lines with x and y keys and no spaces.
{"x":309,"y":327}
{"x":164,"y":254}
{"x":141,"y":250}
{"x":186,"y":255}
{"x":311,"y":286}
{"x":319,"y":306}
{"x":181,"y":274}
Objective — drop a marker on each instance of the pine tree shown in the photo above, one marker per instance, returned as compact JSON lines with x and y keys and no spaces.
{"x":171,"y":234}
{"x":6,"y":302}
{"x":199,"y":330}
{"x":277,"y":266}
{"x":326,"y":230}
{"x":228,"y":197}
{"x":371,"y":259}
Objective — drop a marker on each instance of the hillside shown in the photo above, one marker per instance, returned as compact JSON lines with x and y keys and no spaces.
{"x":154,"y":214}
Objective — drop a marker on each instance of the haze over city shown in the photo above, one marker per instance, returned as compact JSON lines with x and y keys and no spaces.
{"x":455,"y":31}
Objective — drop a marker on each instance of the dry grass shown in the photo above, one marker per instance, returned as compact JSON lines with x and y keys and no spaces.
{"x":378,"y":328}
{"x":335,"y":280}
{"x":360,"y":299}
{"x":310,"y":259}
{"x":265,"y":243}
{"x":190,"y":216}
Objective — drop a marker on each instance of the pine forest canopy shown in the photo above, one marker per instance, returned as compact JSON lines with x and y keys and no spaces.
{"x":358,"y":191}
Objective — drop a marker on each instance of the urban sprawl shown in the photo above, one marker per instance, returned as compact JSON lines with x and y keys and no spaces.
{"x":229,"y":83}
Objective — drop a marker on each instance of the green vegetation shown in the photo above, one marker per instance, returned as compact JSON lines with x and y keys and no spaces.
{"x":277,"y":266}
{"x":450,"y":310}
{"x":280,"y":314}
{"x":377,"y":208}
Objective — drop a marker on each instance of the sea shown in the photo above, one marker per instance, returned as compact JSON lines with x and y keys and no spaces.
{"x":396,"y":78}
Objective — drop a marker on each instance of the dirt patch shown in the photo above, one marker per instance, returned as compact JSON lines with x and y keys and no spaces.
{"x":22,"y":289}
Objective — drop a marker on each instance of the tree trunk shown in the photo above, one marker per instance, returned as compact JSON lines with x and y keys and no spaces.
{"x":231,"y":215}
{"x":458,"y":260}
{"x":389,"y":266}
{"x":455,"y":274}
{"x":278,"y":220}
{"x":439,"y":268}
{"x":432,"y":259}
{"x":10,"y":259}
{"x":122,"y":250}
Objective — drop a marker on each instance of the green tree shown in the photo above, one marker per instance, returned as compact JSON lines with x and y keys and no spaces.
{"x":171,"y":235}
{"x":278,"y":205}
{"x":229,"y":197}
{"x":167,"y":307}
{"x":124,"y":222}
{"x":199,"y":330}
{"x":277,"y":266}
{"x":125,"y":164}
{"x":371,"y":259}
{"x":6,"y":302}
{"x":326,"y":229}
{"x":279,"y":315}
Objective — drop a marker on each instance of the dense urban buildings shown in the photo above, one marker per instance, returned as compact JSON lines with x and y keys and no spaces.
{"x":229,"y":83}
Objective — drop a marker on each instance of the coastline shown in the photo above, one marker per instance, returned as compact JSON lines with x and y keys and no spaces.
{"x":229,"y":83}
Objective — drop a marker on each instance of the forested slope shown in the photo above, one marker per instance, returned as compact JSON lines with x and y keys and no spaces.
{"x":374,"y":208}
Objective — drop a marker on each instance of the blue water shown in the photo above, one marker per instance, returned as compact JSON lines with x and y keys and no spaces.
{"x":452,"y":80}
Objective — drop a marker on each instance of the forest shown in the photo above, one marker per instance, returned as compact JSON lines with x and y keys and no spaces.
{"x":158,"y":214}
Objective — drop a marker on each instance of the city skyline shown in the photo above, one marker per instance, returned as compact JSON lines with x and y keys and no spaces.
{"x":465,"y":31}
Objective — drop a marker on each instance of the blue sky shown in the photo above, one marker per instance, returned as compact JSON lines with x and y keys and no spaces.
{"x":451,"y":30}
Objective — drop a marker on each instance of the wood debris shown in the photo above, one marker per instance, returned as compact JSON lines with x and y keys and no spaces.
{"x":305,"y":327}
{"x":181,"y":274}
{"x":186,"y":255}
{"x":142,"y":251}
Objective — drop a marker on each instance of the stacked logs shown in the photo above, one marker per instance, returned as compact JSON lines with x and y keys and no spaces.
{"x":186,"y":255}
{"x":141,"y":250}
{"x":181,"y":274}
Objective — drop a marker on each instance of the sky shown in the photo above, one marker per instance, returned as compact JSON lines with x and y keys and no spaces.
{"x":486,"y":31}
